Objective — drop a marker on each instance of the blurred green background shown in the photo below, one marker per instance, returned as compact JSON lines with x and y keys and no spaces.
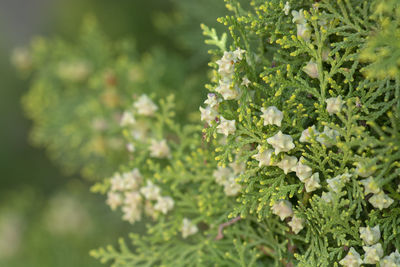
{"x":48,"y":219}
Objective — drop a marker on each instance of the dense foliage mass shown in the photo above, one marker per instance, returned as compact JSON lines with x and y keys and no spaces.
{"x":296,"y":161}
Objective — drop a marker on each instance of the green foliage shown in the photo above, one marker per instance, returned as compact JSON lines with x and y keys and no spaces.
{"x":299,"y":152}
{"x":54,"y":230}
{"x":79,"y":90}
{"x":181,"y":26}
{"x":382,"y":42}
{"x":276,"y":61}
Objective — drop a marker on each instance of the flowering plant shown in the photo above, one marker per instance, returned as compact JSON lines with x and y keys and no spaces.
{"x":297,"y":162}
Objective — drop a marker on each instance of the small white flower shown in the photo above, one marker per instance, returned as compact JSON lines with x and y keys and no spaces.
{"x":263,"y":157}
{"x":245,"y":81}
{"x":133,"y":199}
{"x":144,"y":106}
{"x":352,"y":259}
{"x":337,"y":183}
{"x":364,"y":169}
{"x":297,"y":224}
{"x":114,"y":200}
{"x":281,"y":142}
{"x":117,"y":183}
{"x":311,"y":69}
{"x":211,"y":100}
{"x":380,"y":201}
{"x":328,"y":137}
{"x":304,"y":32}
{"x":238,"y":54}
{"x":231,"y":188}
{"x":132,"y":179}
{"x":164,"y":204}
{"x":373,"y":253}
{"x":222,"y":174}
{"x":370,"y":235}
{"x":298,"y":17}
{"x":327,"y":197}
{"x":272,"y":115}
{"x":130,"y":147}
{"x":131,"y":214}
{"x":308,"y":133}
{"x":159,"y":149}
{"x":334,"y":105}
{"x":150,"y":191}
{"x":208,"y":114}
{"x":226,"y":127}
{"x":188,"y":228}
{"x":286,"y":9}
{"x":312,"y":183}
{"x":288,"y":164}
{"x":370,"y":186}
{"x":227,"y":90}
{"x":238,"y":167}
{"x":345,"y":177}
{"x":226,"y":67}
{"x":303,"y":171}
{"x":283,"y":209}
{"x":228,"y":56}
{"x":393,"y":260}
{"x":127,"y":119}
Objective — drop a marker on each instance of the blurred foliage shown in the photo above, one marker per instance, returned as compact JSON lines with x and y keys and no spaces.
{"x":53,"y":230}
{"x":78,"y":91}
{"x":181,"y":26}
{"x":30,"y":182}
{"x":383,"y":42}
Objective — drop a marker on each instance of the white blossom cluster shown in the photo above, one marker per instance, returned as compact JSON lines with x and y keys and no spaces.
{"x":188,"y":228}
{"x":286,"y":8}
{"x":128,"y":193}
{"x":159,"y":149}
{"x":373,"y":251}
{"x":138,"y":129}
{"x":210,"y":114}
{"x":304,"y":33}
{"x":326,"y":138}
{"x":227,"y":89}
{"x":127,"y":119}
{"x":226,"y":177}
{"x":393,"y":260}
{"x":226,"y":70}
{"x":303,"y":29}
{"x":334,"y":105}
{"x":379,"y":199}
{"x":283,"y":143}
{"x":283,"y":209}
{"x":144,"y":106}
